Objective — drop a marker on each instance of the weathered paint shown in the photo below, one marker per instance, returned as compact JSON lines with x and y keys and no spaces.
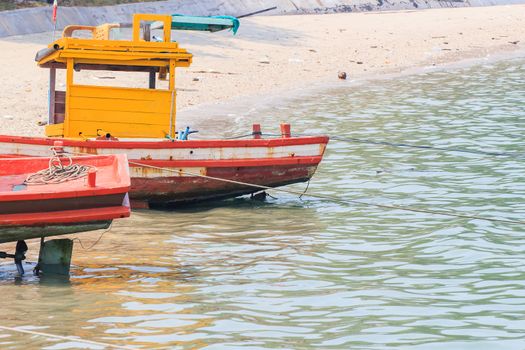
{"x":45,"y":210}
{"x":72,"y":202}
{"x":176,"y":189}
{"x":267,"y":162}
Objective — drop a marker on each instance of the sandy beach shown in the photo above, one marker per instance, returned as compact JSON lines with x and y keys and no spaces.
{"x":280,"y":54}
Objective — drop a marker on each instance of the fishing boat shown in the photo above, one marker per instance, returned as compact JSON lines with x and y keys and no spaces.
{"x":166,"y":167}
{"x":89,"y":193}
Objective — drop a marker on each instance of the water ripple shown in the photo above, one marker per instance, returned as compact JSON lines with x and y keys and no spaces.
{"x":313,"y":274}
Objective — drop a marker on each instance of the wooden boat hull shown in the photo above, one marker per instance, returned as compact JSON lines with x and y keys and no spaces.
{"x":13,"y":234}
{"x":176,"y":189}
{"x":167,"y":173}
{"x":14,"y":227}
{"x":33,"y":211}
{"x":60,"y":204}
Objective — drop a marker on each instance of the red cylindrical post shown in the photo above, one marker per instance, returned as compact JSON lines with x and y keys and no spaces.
{"x":58,"y":147}
{"x":256,"y":131}
{"x":92,"y":178}
{"x":286,"y":131}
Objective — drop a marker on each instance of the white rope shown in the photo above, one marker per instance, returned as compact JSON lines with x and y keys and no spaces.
{"x":96,"y":242}
{"x":341,"y":200}
{"x":72,"y":339}
{"x":58,"y":171}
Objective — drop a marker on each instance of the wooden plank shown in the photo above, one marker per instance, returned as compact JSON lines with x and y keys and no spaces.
{"x":107,"y":67}
{"x":89,"y":129}
{"x":126,"y":119}
{"x":60,"y":106}
{"x":119,"y":93}
{"x":119,"y":44}
{"x":120,"y":105}
{"x":145,"y":63}
{"x":117,"y":56}
{"x":124,"y":55}
{"x":52,"y":95}
{"x":115,"y":68}
{"x":69,"y":83}
{"x":55,"y":130}
{"x":100,"y":60}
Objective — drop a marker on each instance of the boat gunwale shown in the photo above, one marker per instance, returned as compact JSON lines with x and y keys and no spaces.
{"x":227,"y":163}
{"x":169,"y":144}
{"x":64,"y":216}
{"x":120,"y":182}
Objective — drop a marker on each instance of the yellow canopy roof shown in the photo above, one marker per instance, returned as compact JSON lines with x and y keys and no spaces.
{"x":101,"y":50}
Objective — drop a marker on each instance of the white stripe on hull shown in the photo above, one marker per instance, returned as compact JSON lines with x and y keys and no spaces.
{"x":175,"y":153}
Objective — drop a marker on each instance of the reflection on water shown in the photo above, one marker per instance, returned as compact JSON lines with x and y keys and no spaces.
{"x":312,"y":274}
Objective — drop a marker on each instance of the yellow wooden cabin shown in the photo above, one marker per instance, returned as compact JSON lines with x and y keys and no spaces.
{"x":89,"y":111}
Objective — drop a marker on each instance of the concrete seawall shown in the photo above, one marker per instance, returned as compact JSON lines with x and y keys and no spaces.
{"x":36,"y":20}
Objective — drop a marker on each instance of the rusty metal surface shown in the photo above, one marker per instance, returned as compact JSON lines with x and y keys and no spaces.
{"x":175,"y":189}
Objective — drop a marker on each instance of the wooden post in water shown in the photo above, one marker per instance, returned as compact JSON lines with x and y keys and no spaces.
{"x":55,"y":257}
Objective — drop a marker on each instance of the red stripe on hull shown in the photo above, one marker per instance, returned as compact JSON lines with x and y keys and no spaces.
{"x":171,"y":190}
{"x":227,"y":163}
{"x":277,"y":142}
{"x":63,"y":217}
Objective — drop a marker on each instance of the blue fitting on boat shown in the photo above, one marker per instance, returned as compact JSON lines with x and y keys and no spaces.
{"x":183,"y":134}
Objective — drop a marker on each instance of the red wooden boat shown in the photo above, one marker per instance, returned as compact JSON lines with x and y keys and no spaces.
{"x":40,"y":210}
{"x":267,"y":162}
{"x":166,"y":168}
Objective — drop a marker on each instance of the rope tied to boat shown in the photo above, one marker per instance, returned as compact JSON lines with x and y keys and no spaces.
{"x":61,"y":169}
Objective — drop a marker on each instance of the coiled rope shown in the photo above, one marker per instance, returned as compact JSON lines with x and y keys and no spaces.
{"x":61,"y":169}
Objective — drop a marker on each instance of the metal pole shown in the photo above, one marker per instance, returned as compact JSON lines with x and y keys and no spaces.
{"x":257,"y":12}
{"x":54,"y":30}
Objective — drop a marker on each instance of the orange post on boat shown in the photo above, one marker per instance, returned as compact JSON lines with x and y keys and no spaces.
{"x":286,"y":131}
{"x":92,"y":178}
{"x":257,"y":134}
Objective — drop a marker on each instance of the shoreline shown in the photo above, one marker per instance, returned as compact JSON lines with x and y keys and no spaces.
{"x":275,"y":58}
{"x":254,"y":104}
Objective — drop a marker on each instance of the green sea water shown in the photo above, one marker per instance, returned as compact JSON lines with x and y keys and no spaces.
{"x":308,"y":273}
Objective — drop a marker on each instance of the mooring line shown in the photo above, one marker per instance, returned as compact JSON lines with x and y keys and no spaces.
{"x":444,"y":149}
{"x":96,"y":242}
{"x":336,"y":199}
{"x":409,"y":145}
{"x":333,"y":198}
{"x":72,"y":339}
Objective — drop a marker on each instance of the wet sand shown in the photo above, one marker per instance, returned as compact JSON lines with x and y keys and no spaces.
{"x":280,"y":54}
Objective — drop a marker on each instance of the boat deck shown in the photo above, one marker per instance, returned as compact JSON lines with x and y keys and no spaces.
{"x":11,"y":183}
